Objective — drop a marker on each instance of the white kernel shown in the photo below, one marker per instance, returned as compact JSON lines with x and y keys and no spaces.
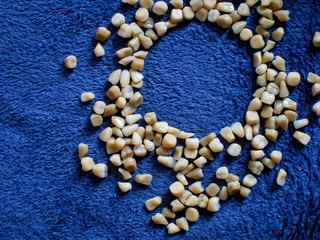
{"x":190,"y":167}
{"x":252,"y":117}
{"x":271,"y":134}
{"x":146,"y":41}
{"x":192,"y":143}
{"x":166,"y":161}
{"x":213,"y":204}
{"x":266,"y":23}
{"x":256,"y":167}
{"x":196,"y":4}
{"x":234,"y":150}
{"x":153,"y":203}
{"x":233,"y":188}
{"x":182,"y":223}
{"x":102,"y":34}
{"x":134,"y":43}
{"x":213,"y":15}
{"x":249,"y":181}
{"x":96,"y":120}
{"x":259,"y":142}
{"x":303,"y":138}
{"x":267,"y":98}
{"x":276,"y":5}
{"x":206,"y":153}
{"x":266,"y":111}
{"x":270,"y":45}
{"x":256,"y":154}
{"x":160,"y":28}
{"x":82,"y":150}
{"x":248,"y":132}
{"x":176,"y":15}
{"x":192,"y":201}
{"x":140,"y":150}
{"x":244,"y":10}
{"x":261,"y":69}
{"x":177,"y":3}
{"x":160,"y":127}
{"x":124,"y":52}
{"x":176,"y":188}
{"x":223,"y":194}
{"x":265,"y":3}
{"x":212,"y":189}
{"x":130,"y":164}
{"x":279,"y":63}
{"x":200,"y":162}
{"x":141,"y":54}
{"x":225,"y":7}
{"x":222,"y":173}
{"x":316,"y":89}
{"x":258,"y":92}
{"x":281,"y":177}
{"x":159,"y":219}
{"x":125,"y":186}
{"x":188,"y":13}
{"x":99,"y":107}
{"x":105,"y":134}
{"x":301,"y":123}
{"x":125,"y":174}
{"x":202,"y":14}
{"x":86,"y":96}
{"x":269,"y":163}
{"x":254,"y":105}
{"x":203,"y":201}
{"x":196,"y":188}
{"x":250,"y":3}
{"x":232,"y":178}
{"x":293,"y":79}
{"x":70,"y":62}
{"x":192,"y":214}
{"x":313,"y":78}
{"x":257,"y":41}
{"x":185,"y":135}
{"x":195,"y":173}
{"x":87,"y":164}
{"x":131,"y":2}
{"x":182,"y":178}
{"x":172,"y":228}
{"x":316,"y":39}
{"x":282,"y":15}
{"x":168,"y":213}
{"x":277,"y":35}
{"x":227,"y":134}
{"x":125,"y":31}
{"x":100,"y":170}
{"x":177,"y":206}
{"x":144,"y":179}
{"x":245,"y":35}
{"x":264,"y":11}
{"x":181,"y":164}
{"x":136,"y":31}
{"x":215,"y":145}
{"x":236,"y":27}
{"x":244,"y":191}
{"x":117,"y":20}
{"x":224,"y":21}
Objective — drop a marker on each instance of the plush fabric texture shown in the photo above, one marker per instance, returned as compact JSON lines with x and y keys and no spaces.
{"x":198,"y":78}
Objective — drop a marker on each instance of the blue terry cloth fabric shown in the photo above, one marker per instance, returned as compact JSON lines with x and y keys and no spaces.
{"x":198,"y":78}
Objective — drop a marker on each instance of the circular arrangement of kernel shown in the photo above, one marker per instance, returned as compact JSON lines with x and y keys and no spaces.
{"x":270,"y":110}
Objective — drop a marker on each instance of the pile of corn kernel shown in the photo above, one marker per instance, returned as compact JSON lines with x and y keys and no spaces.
{"x":127,"y":139}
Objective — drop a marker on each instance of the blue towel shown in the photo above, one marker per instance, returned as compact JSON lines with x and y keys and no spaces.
{"x":198,"y":78}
